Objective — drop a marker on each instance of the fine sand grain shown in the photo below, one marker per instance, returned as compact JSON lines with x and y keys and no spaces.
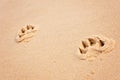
{"x":26,"y":33}
{"x":51,"y":53}
{"x":93,"y":46}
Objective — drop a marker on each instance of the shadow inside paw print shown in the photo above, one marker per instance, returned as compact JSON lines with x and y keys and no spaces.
{"x":93,"y":46}
{"x":25,"y":33}
{"x":90,"y":43}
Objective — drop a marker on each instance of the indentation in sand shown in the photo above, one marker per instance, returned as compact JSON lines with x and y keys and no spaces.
{"x":93,"y":46}
{"x":26,"y":33}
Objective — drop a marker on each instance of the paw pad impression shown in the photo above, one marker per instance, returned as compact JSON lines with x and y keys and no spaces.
{"x":26,"y":33}
{"x":91,"y":47}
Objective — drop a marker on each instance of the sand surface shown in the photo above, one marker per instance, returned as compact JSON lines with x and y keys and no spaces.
{"x":50,"y":55}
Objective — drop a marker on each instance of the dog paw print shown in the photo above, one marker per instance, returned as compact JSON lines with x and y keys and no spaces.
{"x":26,"y":33}
{"x":93,"y":46}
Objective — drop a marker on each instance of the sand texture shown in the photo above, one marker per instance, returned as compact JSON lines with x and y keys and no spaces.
{"x":53,"y":51}
{"x":26,"y":33}
{"x":93,"y":46}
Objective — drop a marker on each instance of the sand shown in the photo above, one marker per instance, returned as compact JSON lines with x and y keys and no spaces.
{"x":93,"y":46}
{"x":50,"y":55}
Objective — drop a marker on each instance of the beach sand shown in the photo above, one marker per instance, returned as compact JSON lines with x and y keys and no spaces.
{"x":51,"y":53}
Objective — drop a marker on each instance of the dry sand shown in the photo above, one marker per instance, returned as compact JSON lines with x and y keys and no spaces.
{"x":50,"y":55}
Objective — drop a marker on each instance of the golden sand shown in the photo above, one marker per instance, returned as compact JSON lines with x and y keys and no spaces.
{"x":50,"y":54}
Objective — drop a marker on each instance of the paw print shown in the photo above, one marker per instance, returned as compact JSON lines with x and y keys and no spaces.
{"x":25,"y":33}
{"x":91,"y":47}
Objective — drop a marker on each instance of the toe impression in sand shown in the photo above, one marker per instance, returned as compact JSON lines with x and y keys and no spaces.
{"x":93,"y":46}
{"x":26,"y":33}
